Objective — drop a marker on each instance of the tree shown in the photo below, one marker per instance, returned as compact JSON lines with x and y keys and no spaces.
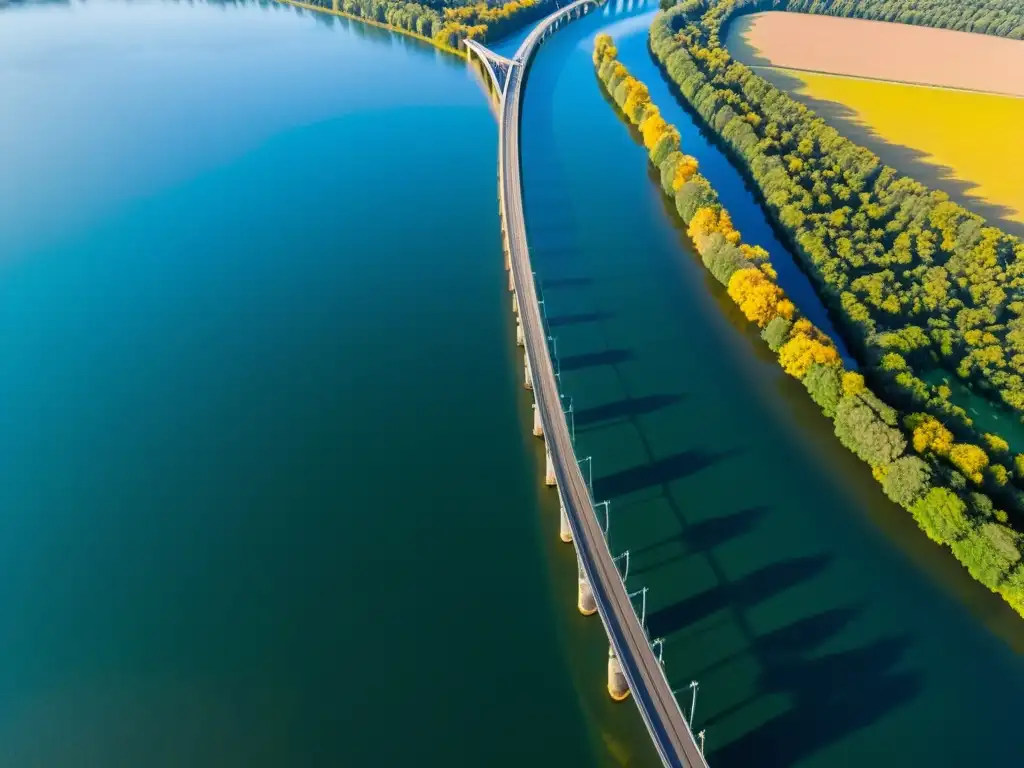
{"x":757,"y":297}
{"x":694,"y":195}
{"x":776,"y":333}
{"x":824,"y":384}
{"x":800,"y":352}
{"x":941,"y":515}
{"x":989,"y":552}
{"x":929,"y":434}
{"x":996,"y":444}
{"x":907,"y":480}
{"x":860,"y":425}
{"x":721,"y":258}
{"x":853,"y":383}
{"x":969,"y":459}
{"x":712,"y":220}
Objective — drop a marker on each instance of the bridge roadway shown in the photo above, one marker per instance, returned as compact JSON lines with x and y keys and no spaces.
{"x":646,"y":677}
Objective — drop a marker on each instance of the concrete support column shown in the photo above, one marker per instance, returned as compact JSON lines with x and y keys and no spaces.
{"x":520,"y":339}
{"x":585,"y":601}
{"x":564,"y":531}
{"x":538,"y":428}
{"x":511,"y":284}
{"x":549,"y":470}
{"x":504,"y":247}
{"x":618,"y":688}
{"x":528,"y":377}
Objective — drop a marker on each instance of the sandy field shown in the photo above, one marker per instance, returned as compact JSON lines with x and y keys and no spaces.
{"x":881,"y":50}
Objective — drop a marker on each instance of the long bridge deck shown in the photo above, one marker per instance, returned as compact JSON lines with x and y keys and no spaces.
{"x":644,"y":673}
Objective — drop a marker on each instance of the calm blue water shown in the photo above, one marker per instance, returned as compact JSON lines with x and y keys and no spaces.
{"x":824,"y":629}
{"x":263,"y":420}
{"x":268,"y":494}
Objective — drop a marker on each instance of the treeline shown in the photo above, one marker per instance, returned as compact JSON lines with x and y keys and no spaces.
{"x":916,"y":459}
{"x":442,"y":22}
{"x":914,"y":280}
{"x":1004,"y":18}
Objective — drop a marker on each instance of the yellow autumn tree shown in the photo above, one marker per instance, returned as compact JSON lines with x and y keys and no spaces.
{"x":703,"y":225}
{"x":604,"y":49}
{"x":853,"y":383}
{"x":653,"y":127}
{"x":757,"y":297}
{"x":638,"y":97}
{"x":685,"y":170}
{"x":806,"y":346}
{"x":726,"y":228}
{"x":969,"y":459}
{"x":929,"y":434}
{"x":995,"y":443}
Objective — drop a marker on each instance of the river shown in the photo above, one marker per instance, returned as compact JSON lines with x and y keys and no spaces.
{"x":269,"y":494}
{"x":823,"y":628}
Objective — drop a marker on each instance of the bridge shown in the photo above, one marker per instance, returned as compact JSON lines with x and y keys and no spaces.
{"x":633,"y":666}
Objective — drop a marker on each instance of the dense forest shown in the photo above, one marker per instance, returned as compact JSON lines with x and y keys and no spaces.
{"x":914,"y":281}
{"x":918,"y":461}
{"x":444,"y":22}
{"x":1004,"y":18}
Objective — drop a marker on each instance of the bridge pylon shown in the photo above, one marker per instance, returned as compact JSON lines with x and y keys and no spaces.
{"x":618,"y":686}
{"x":585,"y":601}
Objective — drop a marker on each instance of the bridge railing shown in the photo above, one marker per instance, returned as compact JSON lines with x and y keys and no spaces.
{"x":576,"y":492}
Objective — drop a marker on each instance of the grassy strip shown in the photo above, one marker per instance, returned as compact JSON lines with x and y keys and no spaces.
{"x":915,"y":479}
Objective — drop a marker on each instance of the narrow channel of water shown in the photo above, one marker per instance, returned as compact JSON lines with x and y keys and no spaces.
{"x":823,"y":627}
{"x":267,"y":491}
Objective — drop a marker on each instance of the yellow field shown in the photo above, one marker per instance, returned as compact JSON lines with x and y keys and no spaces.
{"x":968,"y":144}
{"x":936,"y":104}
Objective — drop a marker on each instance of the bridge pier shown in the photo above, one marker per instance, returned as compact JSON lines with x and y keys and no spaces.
{"x":538,"y":428}
{"x":519,"y":333}
{"x":585,"y":601}
{"x":512,"y":287}
{"x":564,"y":531}
{"x":618,"y":688}
{"x":528,"y":377}
{"x":549,"y":470}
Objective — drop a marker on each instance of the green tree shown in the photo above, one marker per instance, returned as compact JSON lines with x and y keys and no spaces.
{"x":989,"y":552}
{"x":861,"y":425}
{"x":942,"y":515}
{"x":825,"y":385}
{"x":776,"y":333}
{"x":907,"y":480}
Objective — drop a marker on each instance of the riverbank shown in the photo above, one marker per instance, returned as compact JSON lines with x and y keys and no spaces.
{"x":333,"y":11}
{"x":447,"y":27}
{"x":863,"y":423}
{"x":895,"y":263}
{"x":781,"y":578}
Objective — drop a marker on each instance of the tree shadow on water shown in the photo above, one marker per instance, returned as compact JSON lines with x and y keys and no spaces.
{"x":566,"y":282}
{"x":704,"y":536}
{"x":657,"y":472}
{"x":743,"y":593}
{"x":783,"y":645}
{"x":625,"y":408}
{"x":579,"y":318}
{"x":832,"y":697}
{"x":591,"y":359}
